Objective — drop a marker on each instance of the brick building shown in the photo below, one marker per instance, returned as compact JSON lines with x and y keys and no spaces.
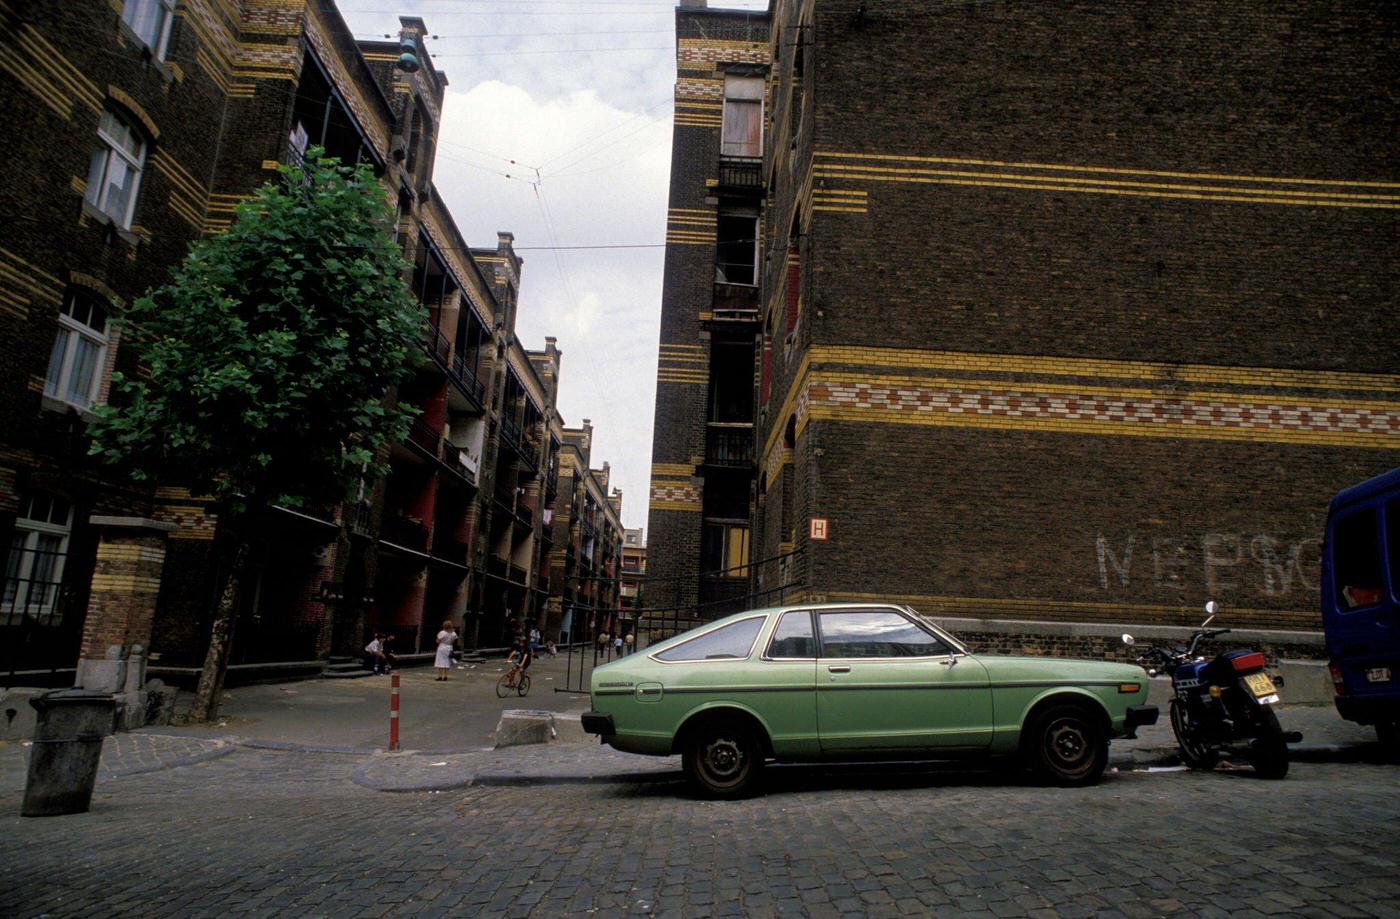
{"x":1067,"y":312}
{"x":156,"y":118}
{"x":634,"y":572}
{"x":586,"y":554}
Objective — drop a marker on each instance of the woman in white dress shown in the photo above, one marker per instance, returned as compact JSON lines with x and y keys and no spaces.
{"x":445,"y":640}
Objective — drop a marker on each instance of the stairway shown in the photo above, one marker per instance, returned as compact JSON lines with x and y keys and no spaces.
{"x":345,"y":668}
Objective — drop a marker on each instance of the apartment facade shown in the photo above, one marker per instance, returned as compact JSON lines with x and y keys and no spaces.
{"x":1064,"y":309}
{"x":700,"y":520}
{"x":158,"y":118}
{"x":586,"y":554}
{"x":632,"y":592}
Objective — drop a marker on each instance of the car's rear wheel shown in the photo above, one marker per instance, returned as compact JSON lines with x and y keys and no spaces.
{"x":723,"y":759}
{"x":1067,"y":745}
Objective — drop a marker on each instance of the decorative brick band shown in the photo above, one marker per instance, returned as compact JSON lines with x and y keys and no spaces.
{"x":1211,"y":416}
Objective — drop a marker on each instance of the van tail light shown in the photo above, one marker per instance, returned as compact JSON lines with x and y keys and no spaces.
{"x":1253,"y":661}
{"x":1339,"y":685}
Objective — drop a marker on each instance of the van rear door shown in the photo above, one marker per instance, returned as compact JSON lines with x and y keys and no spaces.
{"x":1359,"y":600}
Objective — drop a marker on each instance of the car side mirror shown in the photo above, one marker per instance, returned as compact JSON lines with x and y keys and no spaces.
{"x":1128,"y":639}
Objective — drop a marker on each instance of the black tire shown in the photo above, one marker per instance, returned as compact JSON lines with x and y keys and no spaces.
{"x":1067,"y":745}
{"x":503,"y":686}
{"x":1268,"y":754}
{"x":1194,"y":752}
{"x":723,"y":759}
{"x":522,"y":685}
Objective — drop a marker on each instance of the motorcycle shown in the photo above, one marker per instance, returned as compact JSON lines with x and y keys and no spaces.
{"x":1222,"y":704}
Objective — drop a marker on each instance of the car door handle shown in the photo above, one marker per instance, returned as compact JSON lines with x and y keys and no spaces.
{"x":842,"y":668}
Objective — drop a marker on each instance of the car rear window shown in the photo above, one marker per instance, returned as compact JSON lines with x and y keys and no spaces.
{"x":876,"y":633}
{"x":1356,"y":560}
{"x":730,"y":642}
{"x":793,"y":637}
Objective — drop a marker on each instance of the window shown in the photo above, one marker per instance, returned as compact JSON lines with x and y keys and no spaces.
{"x":1392,"y":539}
{"x":1356,"y":560}
{"x":877,"y":633}
{"x":34,"y":566}
{"x":150,"y":20}
{"x":115,"y":174}
{"x":742,"y":134}
{"x":79,"y":351}
{"x":736,"y":258}
{"x":793,"y":637}
{"x":729,"y":642}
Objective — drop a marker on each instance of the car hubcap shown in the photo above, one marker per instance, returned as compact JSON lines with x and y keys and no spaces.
{"x":724,"y":760}
{"x":1067,"y":743}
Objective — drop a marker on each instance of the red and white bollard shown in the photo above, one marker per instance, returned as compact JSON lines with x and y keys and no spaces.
{"x":394,"y":711}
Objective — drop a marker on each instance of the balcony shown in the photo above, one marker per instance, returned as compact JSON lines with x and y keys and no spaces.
{"x":510,"y":432}
{"x":452,"y":460}
{"x":734,"y":303}
{"x":425,"y":438}
{"x":729,"y":446}
{"x":465,"y":379}
{"x":434,"y":344}
{"x":741,"y":175}
{"x":401,"y":530}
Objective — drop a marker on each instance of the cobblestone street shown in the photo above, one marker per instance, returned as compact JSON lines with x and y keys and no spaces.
{"x":261,"y":832}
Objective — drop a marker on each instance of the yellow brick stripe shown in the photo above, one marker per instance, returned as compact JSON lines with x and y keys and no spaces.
{"x":1105,"y":180}
{"x":671,"y":470}
{"x":1147,"y":371}
{"x":125,"y":584}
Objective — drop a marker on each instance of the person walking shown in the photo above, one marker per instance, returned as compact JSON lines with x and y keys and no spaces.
{"x":445,"y":640}
{"x":629,"y":641}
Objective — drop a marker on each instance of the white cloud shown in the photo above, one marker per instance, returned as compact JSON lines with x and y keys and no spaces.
{"x":527,"y":84}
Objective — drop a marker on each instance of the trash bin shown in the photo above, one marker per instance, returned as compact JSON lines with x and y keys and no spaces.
{"x":67,"y":746}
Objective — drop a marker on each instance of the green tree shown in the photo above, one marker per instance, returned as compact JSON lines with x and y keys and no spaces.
{"x":265,"y":366}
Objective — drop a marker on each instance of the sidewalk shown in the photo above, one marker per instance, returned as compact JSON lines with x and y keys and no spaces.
{"x":1326,"y":738}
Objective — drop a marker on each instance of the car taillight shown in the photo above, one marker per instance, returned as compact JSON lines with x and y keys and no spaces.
{"x":1339,"y":685}
{"x":1254,"y":661}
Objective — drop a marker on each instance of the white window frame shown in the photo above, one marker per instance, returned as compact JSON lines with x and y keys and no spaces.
{"x":159,"y":41}
{"x":110,"y":147}
{"x":756,"y":277}
{"x":22,"y":571}
{"x":70,"y":332}
{"x":745,"y":90}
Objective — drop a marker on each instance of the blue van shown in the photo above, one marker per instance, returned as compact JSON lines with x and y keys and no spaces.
{"x":1361,"y":602}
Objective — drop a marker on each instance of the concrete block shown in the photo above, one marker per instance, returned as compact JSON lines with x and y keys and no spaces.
{"x":568,"y":728}
{"x":523,"y":726}
{"x":17,"y":716}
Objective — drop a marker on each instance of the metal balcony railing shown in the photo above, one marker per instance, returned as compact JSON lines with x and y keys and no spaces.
{"x":510,"y":431}
{"x":402,"y":531}
{"x":452,"y":459}
{"x":732,"y":447}
{"x":425,"y":438}
{"x":435,"y":344}
{"x":741,"y":173}
{"x":463,"y":375}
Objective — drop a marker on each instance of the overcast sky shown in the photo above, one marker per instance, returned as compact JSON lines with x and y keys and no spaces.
{"x":580,"y":90}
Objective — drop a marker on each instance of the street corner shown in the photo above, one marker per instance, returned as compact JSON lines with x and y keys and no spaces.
{"x":122,"y":755}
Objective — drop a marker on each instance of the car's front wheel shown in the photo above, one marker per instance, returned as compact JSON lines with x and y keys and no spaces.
{"x":1067,"y":745}
{"x":723,"y":759}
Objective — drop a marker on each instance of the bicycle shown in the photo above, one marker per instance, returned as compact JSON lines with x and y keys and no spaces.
{"x":515,"y":679}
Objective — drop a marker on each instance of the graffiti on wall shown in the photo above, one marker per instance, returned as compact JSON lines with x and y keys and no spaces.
{"x":1215,"y":564}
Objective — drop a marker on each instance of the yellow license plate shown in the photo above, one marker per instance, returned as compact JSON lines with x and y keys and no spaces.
{"x":1259,"y":684}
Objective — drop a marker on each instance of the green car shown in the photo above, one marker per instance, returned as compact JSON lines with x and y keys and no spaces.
{"x":856,"y":681}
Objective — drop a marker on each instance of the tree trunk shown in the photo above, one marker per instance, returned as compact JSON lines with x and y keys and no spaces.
{"x":211,"y":679}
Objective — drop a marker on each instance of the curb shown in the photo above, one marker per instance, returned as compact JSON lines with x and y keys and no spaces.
{"x":222,"y":748}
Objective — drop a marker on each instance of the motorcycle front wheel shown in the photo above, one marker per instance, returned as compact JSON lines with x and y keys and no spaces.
{"x":1194,"y":752}
{"x":1268,"y":753}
